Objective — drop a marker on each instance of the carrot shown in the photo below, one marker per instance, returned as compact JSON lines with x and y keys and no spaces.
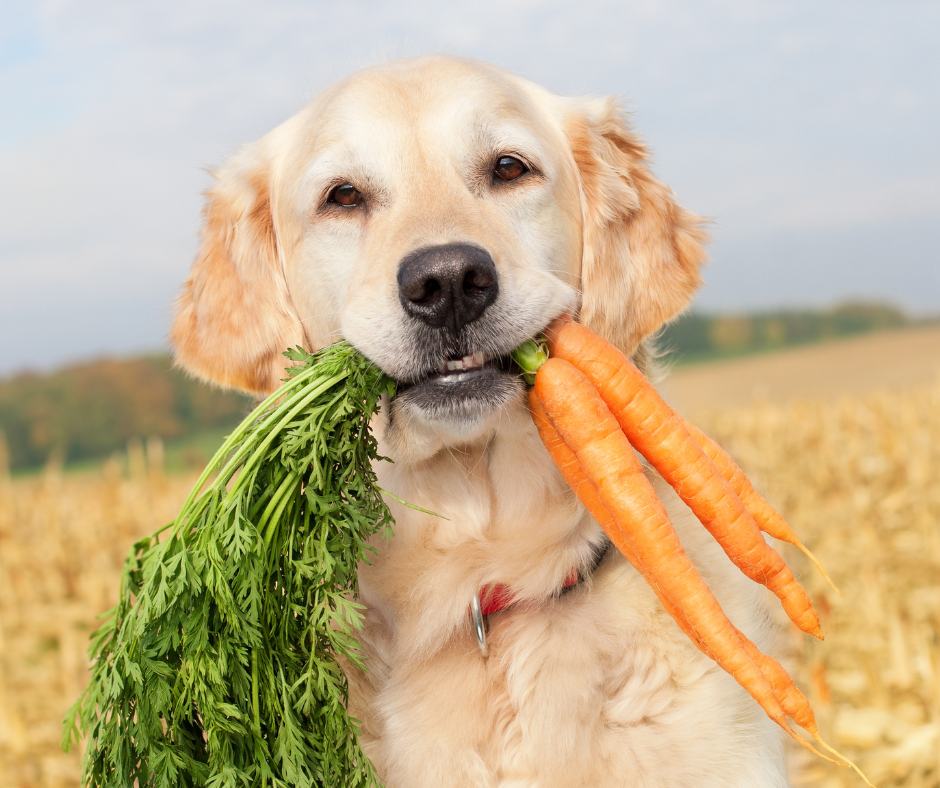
{"x":661,"y":436}
{"x":567,"y":462}
{"x":596,"y":459}
{"x":791,"y":699}
{"x":769,"y":520}
{"x":639,"y":526}
{"x":785,"y":694}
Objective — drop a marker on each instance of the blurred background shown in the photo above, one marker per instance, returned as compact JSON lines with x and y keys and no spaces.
{"x":807,"y":131}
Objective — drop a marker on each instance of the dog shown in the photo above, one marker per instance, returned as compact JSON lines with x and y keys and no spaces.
{"x":436,"y":213}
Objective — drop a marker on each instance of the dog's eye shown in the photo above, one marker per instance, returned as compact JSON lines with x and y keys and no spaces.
{"x":346,"y":195}
{"x":509,"y":168}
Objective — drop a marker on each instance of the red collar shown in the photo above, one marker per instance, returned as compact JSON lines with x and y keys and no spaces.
{"x":496,"y":597}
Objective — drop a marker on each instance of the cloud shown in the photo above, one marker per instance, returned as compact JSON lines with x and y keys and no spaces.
{"x":798,"y":121}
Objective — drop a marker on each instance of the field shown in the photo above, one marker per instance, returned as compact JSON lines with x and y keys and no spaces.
{"x":845,"y":437}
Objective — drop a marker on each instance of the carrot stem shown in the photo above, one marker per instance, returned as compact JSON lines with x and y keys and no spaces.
{"x":530,"y":356}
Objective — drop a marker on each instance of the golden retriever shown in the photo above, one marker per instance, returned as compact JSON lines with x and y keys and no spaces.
{"x":436,"y":213}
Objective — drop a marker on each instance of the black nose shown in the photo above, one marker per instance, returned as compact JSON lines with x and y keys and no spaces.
{"x":447,"y":286}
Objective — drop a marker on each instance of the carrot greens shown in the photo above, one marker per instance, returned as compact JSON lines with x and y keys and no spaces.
{"x":221,"y":663}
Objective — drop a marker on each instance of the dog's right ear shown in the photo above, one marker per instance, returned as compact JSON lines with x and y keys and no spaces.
{"x":234,"y":318}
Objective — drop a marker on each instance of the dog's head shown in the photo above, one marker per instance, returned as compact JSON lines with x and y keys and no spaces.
{"x":435,"y":213}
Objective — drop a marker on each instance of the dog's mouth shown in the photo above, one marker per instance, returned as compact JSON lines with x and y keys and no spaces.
{"x":464,"y":385}
{"x":462,"y":369}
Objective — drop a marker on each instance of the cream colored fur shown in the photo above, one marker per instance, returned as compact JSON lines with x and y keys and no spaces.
{"x":597,"y":687}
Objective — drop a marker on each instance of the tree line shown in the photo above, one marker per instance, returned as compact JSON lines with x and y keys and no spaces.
{"x":94,"y":408}
{"x":700,"y":336}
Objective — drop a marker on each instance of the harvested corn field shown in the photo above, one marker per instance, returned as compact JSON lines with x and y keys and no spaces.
{"x":63,"y":539}
{"x":857,"y":477}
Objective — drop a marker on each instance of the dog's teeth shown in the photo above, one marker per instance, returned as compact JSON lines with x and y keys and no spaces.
{"x":473,"y":361}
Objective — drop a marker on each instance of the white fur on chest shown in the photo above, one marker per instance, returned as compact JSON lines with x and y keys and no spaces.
{"x":596,"y":688}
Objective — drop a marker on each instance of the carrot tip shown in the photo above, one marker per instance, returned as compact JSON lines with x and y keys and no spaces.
{"x":818,"y":564}
{"x":808,"y":745}
{"x":843,"y":761}
{"x":813,"y":628}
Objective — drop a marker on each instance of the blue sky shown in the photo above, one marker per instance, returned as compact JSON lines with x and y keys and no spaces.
{"x":807,"y":130}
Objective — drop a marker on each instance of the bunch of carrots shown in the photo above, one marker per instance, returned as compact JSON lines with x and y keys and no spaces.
{"x":593,"y":407}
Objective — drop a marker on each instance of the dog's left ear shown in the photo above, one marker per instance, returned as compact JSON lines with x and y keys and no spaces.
{"x":642,"y":250}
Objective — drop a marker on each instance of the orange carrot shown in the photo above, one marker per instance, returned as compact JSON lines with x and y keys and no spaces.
{"x":639,"y":526}
{"x":661,"y":436}
{"x":791,"y":699}
{"x":581,"y":435}
{"x":769,"y":520}
{"x":785,"y":693}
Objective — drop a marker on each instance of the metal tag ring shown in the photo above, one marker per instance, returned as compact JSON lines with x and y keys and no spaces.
{"x":479,"y":623}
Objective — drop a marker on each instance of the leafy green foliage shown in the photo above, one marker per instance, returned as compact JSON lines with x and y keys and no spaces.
{"x":220,"y":664}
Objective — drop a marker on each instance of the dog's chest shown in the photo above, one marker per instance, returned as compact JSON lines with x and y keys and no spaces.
{"x":596,"y":689}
